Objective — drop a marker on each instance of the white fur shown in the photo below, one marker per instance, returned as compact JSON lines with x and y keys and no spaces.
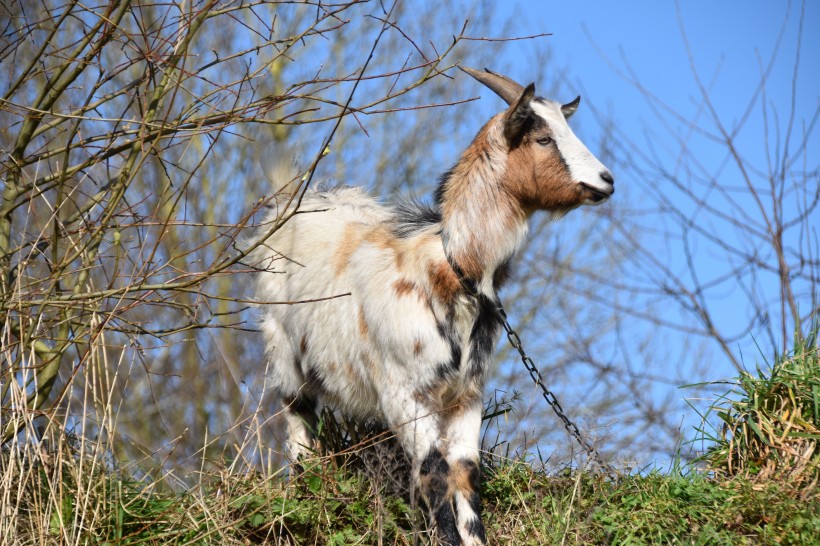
{"x":381,"y":363}
{"x":583,"y":166}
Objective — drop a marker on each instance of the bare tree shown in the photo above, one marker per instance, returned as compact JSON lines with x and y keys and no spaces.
{"x":722,"y":245}
{"x":140,"y":138}
{"x":110,"y":236}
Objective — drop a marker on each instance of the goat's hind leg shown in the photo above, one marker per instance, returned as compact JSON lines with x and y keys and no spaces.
{"x":300,"y":415}
{"x":434,"y":478}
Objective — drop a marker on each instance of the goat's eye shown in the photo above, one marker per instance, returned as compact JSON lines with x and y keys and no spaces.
{"x":544,"y":141}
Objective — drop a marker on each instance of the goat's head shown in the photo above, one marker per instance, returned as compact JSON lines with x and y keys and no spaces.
{"x":549,"y":168}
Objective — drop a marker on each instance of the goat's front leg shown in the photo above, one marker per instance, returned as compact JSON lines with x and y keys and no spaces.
{"x":434,"y":481}
{"x":462,"y":429}
{"x":418,"y":427}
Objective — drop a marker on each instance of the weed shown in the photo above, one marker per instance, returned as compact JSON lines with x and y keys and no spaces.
{"x":770,"y":422}
{"x":760,"y":488}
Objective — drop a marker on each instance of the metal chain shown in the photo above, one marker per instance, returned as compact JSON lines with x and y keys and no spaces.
{"x":549,"y":396}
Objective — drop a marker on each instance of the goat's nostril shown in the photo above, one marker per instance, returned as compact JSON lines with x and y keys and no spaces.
{"x":607,"y":177}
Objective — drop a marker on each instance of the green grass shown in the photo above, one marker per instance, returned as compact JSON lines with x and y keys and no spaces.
{"x":756,"y":483}
{"x":770,"y":421}
{"x":522,"y":506}
{"x":657,"y":508}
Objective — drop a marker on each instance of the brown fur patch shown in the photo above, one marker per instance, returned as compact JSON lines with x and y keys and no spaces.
{"x":455,"y":403}
{"x":303,"y":344}
{"x":350,"y":241}
{"x":464,"y":476}
{"x":385,"y":240}
{"x":417,"y":347}
{"x":540,"y":180}
{"x":355,"y":235}
{"x":443,"y":281}
{"x":403,"y":287}
{"x":469,"y":260}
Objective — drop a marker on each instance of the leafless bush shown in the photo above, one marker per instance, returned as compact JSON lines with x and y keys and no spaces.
{"x":125,"y":132}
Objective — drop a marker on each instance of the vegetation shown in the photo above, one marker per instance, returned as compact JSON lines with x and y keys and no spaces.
{"x":756,"y":484}
{"x":327,"y":505}
{"x":137,"y":141}
{"x":770,"y":423}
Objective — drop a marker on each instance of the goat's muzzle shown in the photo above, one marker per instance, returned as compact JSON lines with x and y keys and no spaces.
{"x":598,"y":194}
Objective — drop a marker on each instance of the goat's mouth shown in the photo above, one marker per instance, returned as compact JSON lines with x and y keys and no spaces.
{"x":597,"y":195}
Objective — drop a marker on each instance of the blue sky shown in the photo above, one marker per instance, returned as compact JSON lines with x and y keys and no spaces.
{"x":605,"y":44}
{"x":591,"y":36}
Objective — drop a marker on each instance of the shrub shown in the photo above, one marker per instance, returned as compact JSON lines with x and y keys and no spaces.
{"x":770,"y":423}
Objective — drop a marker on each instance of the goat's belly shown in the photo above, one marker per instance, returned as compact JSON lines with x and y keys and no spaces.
{"x":345,"y":386}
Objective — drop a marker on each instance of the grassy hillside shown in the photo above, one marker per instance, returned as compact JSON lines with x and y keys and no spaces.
{"x":522,"y":506}
{"x":757,"y":483}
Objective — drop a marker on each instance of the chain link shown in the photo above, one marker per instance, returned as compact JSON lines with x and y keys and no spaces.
{"x":549,"y":396}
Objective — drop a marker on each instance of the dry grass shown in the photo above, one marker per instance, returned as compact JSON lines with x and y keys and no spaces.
{"x":64,"y":490}
{"x":61,"y":482}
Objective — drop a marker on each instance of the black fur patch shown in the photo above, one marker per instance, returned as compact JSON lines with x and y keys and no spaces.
{"x":538,"y":123}
{"x":433,"y":476}
{"x":455,"y":353}
{"x":446,"y":524}
{"x":501,"y":275}
{"x":475,"y":502}
{"x":469,"y":285}
{"x":484,"y":334}
{"x":300,"y":405}
{"x":444,"y":372}
{"x":474,"y":475}
{"x":304,"y":407}
{"x":314,"y":382}
{"x":412,"y":217}
{"x":476,"y":528}
{"x":446,"y":332}
{"x":434,"y":463}
{"x":442,"y":185}
{"x":519,"y":121}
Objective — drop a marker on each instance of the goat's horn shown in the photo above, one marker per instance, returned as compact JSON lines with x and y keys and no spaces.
{"x":502,"y":86}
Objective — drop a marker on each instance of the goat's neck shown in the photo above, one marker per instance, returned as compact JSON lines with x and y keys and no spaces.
{"x":483,"y":225}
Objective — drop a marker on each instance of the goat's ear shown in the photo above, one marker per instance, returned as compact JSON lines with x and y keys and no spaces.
{"x":570,"y":108}
{"x":518,"y":115}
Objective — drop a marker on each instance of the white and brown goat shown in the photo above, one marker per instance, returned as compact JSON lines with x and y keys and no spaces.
{"x":412,"y":344}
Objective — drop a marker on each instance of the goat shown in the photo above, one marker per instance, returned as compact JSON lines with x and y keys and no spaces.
{"x":412,"y":343}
